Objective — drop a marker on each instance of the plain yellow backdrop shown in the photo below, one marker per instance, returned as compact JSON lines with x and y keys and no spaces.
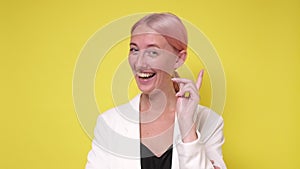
{"x":257,"y":41}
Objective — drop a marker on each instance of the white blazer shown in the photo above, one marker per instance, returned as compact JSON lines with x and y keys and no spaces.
{"x":116,"y":144}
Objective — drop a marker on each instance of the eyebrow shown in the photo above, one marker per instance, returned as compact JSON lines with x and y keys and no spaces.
{"x":148,"y":46}
{"x":153,"y":45}
{"x":132,"y":44}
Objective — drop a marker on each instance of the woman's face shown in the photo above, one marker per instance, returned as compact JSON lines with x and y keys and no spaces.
{"x":152,"y":59}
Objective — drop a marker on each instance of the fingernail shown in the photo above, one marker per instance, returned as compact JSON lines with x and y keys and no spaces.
{"x":202,"y":72}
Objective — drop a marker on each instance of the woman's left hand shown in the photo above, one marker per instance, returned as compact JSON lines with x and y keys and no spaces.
{"x":187,"y":102}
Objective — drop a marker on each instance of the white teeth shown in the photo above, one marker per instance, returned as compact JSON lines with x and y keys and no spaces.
{"x":144,"y":75}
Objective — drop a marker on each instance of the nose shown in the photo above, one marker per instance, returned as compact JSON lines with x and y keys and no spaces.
{"x":141,"y":60}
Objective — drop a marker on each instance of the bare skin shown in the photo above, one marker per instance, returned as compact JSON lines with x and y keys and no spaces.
{"x":160,"y":130}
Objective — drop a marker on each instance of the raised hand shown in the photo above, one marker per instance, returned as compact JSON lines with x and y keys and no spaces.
{"x":187,"y":102}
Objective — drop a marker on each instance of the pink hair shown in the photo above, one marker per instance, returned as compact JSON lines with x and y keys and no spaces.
{"x":168,"y":25}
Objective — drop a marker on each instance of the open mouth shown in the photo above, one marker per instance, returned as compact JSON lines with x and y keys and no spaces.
{"x":146,"y":75}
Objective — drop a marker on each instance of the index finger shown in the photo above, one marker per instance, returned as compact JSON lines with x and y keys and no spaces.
{"x":199,"y":80}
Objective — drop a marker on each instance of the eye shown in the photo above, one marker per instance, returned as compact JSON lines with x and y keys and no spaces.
{"x":152,"y":53}
{"x":133,"y":50}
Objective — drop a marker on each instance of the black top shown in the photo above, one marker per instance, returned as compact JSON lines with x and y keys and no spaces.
{"x":150,"y":161}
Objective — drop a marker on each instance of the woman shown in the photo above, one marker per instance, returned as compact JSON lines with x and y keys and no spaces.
{"x":167,"y":129}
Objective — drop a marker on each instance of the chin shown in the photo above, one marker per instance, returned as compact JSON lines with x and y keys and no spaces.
{"x":146,"y":89}
{"x":146,"y":82}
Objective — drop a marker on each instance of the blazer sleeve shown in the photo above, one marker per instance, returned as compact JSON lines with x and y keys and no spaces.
{"x":198,"y":154}
{"x":98,"y":158}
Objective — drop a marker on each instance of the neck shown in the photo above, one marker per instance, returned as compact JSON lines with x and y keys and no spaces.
{"x":158,"y":103}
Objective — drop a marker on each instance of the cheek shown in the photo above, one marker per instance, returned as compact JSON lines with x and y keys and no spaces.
{"x":166,"y":64}
{"x":131,"y":61}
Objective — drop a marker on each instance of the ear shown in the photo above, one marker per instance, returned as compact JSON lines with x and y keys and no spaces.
{"x":181,"y":59}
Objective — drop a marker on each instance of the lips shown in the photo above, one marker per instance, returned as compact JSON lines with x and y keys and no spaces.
{"x":145,"y":75}
{"x":146,"y":80}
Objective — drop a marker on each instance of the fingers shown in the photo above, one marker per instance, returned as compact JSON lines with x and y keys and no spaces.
{"x":185,"y":85}
{"x":182,"y":80}
{"x":199,"y":80}
{"x":215,"y":167}
{"x":187,"y":88}
{"x":198,"y":83}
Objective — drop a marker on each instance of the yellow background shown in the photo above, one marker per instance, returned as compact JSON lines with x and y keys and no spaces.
{"x":257,"y":41}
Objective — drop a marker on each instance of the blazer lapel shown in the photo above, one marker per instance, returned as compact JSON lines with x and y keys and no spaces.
{"x":176,"y":138}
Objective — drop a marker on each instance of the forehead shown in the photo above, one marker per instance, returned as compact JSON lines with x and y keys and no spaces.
{"x":144,"y":40}
{"x":144,"y":36}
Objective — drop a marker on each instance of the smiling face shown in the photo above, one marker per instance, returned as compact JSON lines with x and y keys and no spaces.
{"x":152,"y":59}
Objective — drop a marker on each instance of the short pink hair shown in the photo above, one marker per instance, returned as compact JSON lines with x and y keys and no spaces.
{"x":168,"y":25}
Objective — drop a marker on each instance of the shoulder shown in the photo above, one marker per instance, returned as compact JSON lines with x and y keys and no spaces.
{"x":118,"y":114}
{"x":119,"y":118}
{"x":127,"y":111}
